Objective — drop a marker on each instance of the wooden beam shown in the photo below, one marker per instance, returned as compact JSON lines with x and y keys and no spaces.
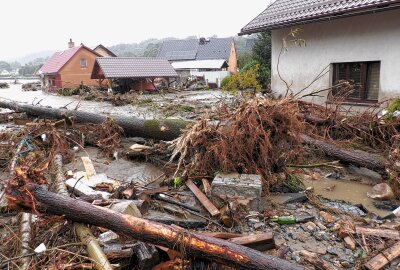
{"x":89,"y":168}
{"x":203,"y":198}
{"x":384,"y":258}
{"x":260,"y":242}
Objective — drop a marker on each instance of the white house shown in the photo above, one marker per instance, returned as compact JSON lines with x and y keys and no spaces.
{"x":213,"y":71}
{"x":5,"y":73}
{"x":355,"y":40}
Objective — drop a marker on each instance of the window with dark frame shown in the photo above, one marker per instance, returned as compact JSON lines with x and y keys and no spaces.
{"x":364,"y":76}
{"x":83,"y":63}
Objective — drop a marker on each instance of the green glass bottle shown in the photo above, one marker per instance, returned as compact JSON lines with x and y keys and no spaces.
{"x":284,"y":220}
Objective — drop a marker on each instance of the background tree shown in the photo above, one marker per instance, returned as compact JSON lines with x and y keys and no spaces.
{"x":262,"y":56}
{"x":5,"y":66}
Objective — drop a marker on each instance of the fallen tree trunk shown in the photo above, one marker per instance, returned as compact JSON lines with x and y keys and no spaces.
{"x":195,"y":245}
{"x":358,"y":157}
{"x":161,"y":129}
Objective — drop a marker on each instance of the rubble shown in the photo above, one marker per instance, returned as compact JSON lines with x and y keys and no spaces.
{"x":234,"y":178}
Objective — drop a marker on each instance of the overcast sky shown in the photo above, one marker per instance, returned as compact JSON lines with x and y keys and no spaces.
{"x":29,"y":26}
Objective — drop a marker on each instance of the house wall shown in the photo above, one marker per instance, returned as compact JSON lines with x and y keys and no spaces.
{"x":212,"y":76}
{"x":373,"y":37}
{"x":232,"y":61}
{"x":102,"y":52}
{"x":72,"y":74}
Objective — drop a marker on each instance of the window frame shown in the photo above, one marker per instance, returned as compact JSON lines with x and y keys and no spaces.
{"x":364,"y":80}
{"x":86,"y":63}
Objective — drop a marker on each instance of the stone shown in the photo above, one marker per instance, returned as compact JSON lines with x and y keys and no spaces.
{"x":332,"y":251}
{"x":258,"y":225}
{"x":326,"y":217}
{"x":302,"y":237}
{"x":321,"y":226}
{"x":237,"y":187}
{"x":349,"y":243}
{"x":108,"y":237}
{"x":288,"y":198}
{"x":381,"y":192}
{"x":311,"y":226}
{"x":320,"y":250}
{"x":127,"y":207}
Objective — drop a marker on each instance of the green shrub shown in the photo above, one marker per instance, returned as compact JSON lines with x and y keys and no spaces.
{"x":225,"y":81}
{"x":243,"y":80}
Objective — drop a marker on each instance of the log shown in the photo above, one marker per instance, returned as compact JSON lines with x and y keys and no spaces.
{"x":146,"y":255}
{"x":194,"y":244}
{"x":384,"y":258}
{"x":359,"y":158}
{"x":161,"y":129}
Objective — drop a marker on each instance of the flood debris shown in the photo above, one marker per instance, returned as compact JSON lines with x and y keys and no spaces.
{"x":236,"y":190}
{"x":4,"y":85}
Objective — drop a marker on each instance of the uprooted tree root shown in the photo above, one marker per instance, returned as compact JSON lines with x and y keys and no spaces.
{"x":107,"y":136}
{"x":260,"y":137}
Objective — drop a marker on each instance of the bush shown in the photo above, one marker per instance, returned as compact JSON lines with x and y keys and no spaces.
{"x":243,"y":81}
{"x":225,"y":81}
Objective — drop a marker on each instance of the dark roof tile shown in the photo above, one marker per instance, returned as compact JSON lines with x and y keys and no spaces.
{"x":191,"y":49}
{"x":135,"y":67}
{"x":283,"y":13}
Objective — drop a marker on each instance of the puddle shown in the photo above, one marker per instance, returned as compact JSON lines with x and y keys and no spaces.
{"x":352,"y":192}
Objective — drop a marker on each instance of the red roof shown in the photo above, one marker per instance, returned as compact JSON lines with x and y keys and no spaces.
{"x":59,"y":59}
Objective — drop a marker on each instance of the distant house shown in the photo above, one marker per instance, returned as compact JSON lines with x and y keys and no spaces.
{"x":132,"y":73}
{"x":103,"y":51}
{"x":69,"y":68}
{"x":212,"y":70}
{"x":5,"y":73}
{"x":355,"y":40}
{"x":191,"y":50}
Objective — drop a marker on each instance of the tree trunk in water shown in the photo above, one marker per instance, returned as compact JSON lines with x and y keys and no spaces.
{"x":195,"y":245}
{"x":358,"y":157}
{"x":160,"y":129}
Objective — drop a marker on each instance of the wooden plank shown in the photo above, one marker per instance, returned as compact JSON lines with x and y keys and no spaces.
{"x":384,"y":258}
{"x":384,"y":233}
{"x":223,"y":235}
{"x":155,"y":190}
{"x":260,"y":242}
{"x":89,"y":168}
{"x":203,"y":198}
{"x":207,"y":187}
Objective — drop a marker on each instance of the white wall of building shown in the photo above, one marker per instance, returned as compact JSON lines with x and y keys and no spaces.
{"x":212,"y":76}
{"x":373,"y":37}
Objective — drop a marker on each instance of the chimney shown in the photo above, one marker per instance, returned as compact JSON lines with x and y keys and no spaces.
{"x":71,"y":44}
{"x":202,"y":41}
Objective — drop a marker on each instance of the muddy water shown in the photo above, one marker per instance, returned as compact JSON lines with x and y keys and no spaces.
{"x":15,"y":93}
{"x":352,"y":192}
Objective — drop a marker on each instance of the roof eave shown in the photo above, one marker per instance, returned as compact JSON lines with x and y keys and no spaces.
{"x":319,"y":19}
